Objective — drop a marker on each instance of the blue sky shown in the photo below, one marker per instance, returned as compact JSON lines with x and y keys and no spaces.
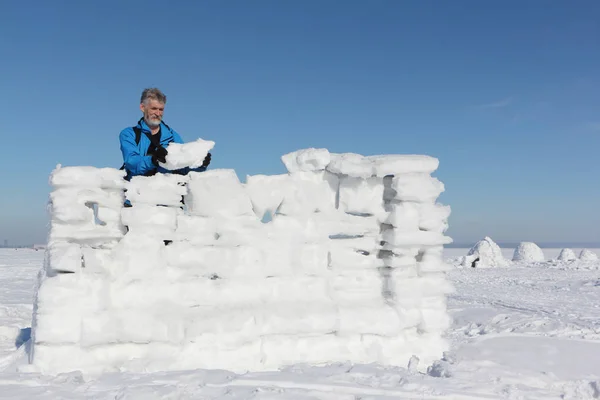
{"x":506,"y":94}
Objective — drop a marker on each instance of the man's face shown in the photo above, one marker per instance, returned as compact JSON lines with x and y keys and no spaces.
{"x":153,"y":112}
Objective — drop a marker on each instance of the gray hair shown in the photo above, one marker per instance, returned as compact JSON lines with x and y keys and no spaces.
{"x":153,"y":94}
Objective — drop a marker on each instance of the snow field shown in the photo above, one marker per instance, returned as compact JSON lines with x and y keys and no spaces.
{"x":528,"y":331}
{"x":349,"y":269}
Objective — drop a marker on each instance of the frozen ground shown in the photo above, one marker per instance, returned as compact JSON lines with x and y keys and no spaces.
{"x":522,"y":332}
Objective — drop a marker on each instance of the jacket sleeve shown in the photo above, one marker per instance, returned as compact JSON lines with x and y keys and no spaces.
{"x":134,"y":161}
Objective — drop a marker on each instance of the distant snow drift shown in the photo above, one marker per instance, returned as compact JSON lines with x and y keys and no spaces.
{"x":349,"y":268}
{"x":485,"y":254}
{"x":567,"y":255}
{"x":528,"y":252}
{"x":588,"y":255}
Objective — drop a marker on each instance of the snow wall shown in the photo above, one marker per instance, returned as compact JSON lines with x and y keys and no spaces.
{"x":347,"y":269}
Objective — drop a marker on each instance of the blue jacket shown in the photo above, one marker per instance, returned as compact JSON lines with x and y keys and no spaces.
{"x":136,"y":162}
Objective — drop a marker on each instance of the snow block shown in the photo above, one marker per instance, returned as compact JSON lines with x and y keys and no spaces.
{"x":417,"y":187}
{"x":87,"y":177}
{"x":309,"y":192}
{"x":267,"y":192}
{"x":361,"y":196}
{"x":217,"y":193}
{"x":160,"y":189}
{"x":348,"y":268}
{"x":306,"y":160}
{"x":192,"y":154}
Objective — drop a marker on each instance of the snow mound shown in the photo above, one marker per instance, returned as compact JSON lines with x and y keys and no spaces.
{"x":485,"y":254}
{"x":588,"y":255}
{"x":567,"y":255}
{"x":528,"y":252}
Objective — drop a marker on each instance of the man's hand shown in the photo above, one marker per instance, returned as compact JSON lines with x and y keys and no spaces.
{"x":159,"y":155}
{"x":206,"y":160}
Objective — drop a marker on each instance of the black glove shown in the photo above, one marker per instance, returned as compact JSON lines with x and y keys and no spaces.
{"x":159,"y":154}
{"x":206,"y":160}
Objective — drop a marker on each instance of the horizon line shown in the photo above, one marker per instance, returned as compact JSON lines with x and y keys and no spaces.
{"x":546,"y":245}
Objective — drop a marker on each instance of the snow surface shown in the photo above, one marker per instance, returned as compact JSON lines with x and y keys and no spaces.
{"x":531,"y":331}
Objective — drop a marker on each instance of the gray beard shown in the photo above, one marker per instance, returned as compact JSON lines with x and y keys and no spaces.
{"x":152,"y":123}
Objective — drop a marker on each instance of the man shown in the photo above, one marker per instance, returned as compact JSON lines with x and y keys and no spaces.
{"x":144,"y":145}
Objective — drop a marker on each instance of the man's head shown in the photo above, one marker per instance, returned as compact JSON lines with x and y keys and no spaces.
{"x":152,"y":105}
